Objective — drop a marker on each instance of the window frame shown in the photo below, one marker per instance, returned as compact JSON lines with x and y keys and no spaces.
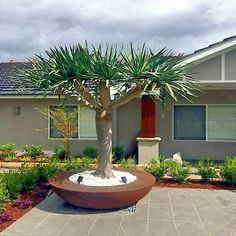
{"x":206,"y":119}
{"x":79,"y":123}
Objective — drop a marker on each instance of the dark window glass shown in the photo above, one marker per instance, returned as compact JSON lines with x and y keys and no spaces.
{"x":189,"y":122}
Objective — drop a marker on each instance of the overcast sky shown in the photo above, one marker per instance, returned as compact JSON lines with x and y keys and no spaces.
{"x":31,"y":26}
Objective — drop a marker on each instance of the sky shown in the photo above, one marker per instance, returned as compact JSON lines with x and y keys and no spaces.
{"x":33,"y":26}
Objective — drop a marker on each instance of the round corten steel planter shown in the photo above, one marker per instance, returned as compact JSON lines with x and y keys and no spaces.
{"x":101,"y":197}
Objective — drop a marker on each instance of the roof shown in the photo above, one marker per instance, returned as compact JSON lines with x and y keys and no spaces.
{"x":211,"y":50}
{"x":10,"y":82}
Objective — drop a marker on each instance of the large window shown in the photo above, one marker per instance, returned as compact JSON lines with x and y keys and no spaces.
{"x":205,"y":122}
{"x":85,"y":121}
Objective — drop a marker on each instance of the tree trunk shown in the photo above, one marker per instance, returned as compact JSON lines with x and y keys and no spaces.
{"x":104,"y":137}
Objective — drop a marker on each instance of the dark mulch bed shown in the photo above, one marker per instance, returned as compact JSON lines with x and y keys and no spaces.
{"x":194,"y":183}
{"x":36,"y":196}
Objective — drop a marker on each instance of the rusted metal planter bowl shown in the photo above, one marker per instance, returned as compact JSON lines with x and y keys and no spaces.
{"x":101,"y":197}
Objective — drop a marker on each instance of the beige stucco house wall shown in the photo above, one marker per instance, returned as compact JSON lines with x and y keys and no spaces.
{"x":30,"y":126}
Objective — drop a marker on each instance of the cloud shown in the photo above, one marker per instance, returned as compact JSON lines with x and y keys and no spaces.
{"x":28,"y":27}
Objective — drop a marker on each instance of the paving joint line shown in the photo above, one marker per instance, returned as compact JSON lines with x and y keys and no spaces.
{"x":172,"y":211}
{"x":68,"y":221}
{"x":195,"y":209}
{"x":120,"y":225}
{"x":92,"y":225}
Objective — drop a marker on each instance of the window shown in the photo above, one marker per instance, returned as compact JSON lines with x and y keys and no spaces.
{"x":85,"y":122}
{"x":189,"y":123}
{"x":205,"y":122}
{"x":221,"y":122}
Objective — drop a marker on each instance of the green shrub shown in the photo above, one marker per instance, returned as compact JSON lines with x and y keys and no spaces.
{"x":117,"y":152}
{"x":45,"y":171}
{"x":12,"y":183}
{"x":60,"y":152}
{"x":207,"y":170}
{"x":29,"y":177}
{"x":177,"y":171}
{"x":228,"y":170}
{"x":4,"y":196}
{"x":33,"y":151}
{"x":90,"y":152}
{"x":77,"y":163}
{"x":127,"y":163}
{"x":157,"y":168}
{"x":8,"y":149}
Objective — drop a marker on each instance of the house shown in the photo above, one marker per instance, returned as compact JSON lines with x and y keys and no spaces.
{"x":203,"y":129}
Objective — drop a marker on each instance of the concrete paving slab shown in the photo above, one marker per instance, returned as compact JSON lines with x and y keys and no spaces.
{"x":164,"y":211}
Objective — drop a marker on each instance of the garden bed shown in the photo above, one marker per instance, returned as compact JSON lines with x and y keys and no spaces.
{"x":15,"y":212}
{"x":194,"y":183}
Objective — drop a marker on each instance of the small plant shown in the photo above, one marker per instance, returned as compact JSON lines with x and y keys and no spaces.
{"x":127,"y":164}
{"x":7,"y":149}
{"x":207,"y":170}
{"x":177,"y":171}
{"x":25,"y":159}
{"x":5,"y":217}
{"x":60,"y":152}
{"x":29,"y":177}
{"x":10,"y":158}
{"x":4,"y":196}
{"x":12,"y":183}
{"x":90,"y":152}
{"x":228,"y":170}
{"x":33,"y":151}
{"x":22,"y":204}
{"x":52,"y":167}
{"x":117,"y":152}
{"x":65,"y":122}
{"x":77,"y":163}
{"x":157,"y":168}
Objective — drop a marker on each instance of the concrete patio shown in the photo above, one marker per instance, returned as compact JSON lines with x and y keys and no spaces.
{"x":165,"y":211}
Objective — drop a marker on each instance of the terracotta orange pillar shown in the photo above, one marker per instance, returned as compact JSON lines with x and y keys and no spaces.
{"x":148,"y":120}
{"x":148,"y":143}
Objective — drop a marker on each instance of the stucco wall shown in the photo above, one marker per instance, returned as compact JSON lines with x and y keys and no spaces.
{"x":128,"y":125}
{"x":208,"y":70}
{"x":195,"y":149}
{"x":230,"y":68}
{"x":22,"y":129}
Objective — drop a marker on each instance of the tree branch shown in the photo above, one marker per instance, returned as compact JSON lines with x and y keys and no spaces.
{"x":74,"y":99}
{"x":104,"y":93}
{"x":130,"y":95}
{"x":83,"y":92}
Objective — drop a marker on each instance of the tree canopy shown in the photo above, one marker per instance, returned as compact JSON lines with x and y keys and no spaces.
{"x":104,"y":78}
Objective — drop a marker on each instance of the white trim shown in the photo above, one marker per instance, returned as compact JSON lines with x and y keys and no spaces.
{"x":211,"y":51}
{"x":206,"y":109}
{"x":27,"y":97}
{"x":217,"y":81}
{"x":222,"y":67}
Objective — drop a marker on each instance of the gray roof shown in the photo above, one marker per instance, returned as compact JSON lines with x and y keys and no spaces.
{"x":213,"y":45}
{"x":10,"y":82}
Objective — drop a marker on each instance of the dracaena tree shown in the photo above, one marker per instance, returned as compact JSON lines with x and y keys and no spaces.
{"x":92,"y":76}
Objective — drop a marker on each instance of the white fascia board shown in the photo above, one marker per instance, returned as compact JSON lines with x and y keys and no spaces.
{"x":209,"y":52}
{"x":27,"y":97}
{"x":216,"y":81}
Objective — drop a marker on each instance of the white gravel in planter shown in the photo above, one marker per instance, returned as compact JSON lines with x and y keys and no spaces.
{"x":90,"y":180}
